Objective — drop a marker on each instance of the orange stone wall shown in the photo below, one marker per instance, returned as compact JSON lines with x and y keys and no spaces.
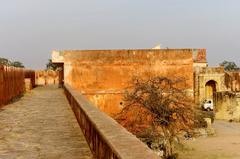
{"x":46,"y":77}
{"x":103,"y":75}
{"x":232,"y":81}
{"x":12,"y":82}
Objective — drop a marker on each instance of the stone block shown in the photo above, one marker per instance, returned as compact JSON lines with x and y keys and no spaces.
{"x":28,"y":84}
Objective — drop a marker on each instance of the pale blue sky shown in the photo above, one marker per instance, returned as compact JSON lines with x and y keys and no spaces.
{"x":31,"y":29}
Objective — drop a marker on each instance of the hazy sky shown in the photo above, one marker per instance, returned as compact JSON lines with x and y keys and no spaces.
{"x":31,"y":29}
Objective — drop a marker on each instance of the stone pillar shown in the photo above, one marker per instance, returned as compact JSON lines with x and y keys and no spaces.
{"x":210,"y":130}
{"x":28,"y":84}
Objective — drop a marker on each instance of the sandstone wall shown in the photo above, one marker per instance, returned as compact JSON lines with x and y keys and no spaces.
{"x":199,"y":56}
{"x":103,"y":75}
{"x":30,"y":74}
{"x":202,"y":75}
{"x":12,"y":82}
{"x":227,"y":106}
{"x":232,"y":81}
{"x":47,"y":77}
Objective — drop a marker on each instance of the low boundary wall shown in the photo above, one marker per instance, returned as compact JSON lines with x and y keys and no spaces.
{"x":106,"y":138}
{"x":12,"y":82}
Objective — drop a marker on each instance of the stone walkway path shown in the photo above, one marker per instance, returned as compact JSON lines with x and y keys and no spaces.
{"x":41,"y":125}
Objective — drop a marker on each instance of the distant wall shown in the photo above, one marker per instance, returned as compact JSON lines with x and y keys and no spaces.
{"x":103,"y":75}
{"x":30,"y":74}
{"x":232,"y":81}
{"x":227,"y":105}
{"x":202,"y":75}
{"x":11,"y":83}
{"x":47,"y":77}
{"x":199,"y":56}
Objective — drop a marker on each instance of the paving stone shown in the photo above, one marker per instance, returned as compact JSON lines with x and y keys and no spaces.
{"x":41,"y":126}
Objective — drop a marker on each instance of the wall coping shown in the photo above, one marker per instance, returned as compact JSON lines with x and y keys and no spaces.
{"x":123,"y":144}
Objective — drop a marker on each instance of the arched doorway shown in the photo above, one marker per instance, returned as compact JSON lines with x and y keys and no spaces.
{"x":210,"y":89}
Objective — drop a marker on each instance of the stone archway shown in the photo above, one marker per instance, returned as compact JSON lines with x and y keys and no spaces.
{"x":210,"y":89}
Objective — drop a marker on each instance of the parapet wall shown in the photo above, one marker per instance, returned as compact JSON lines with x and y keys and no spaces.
{"x":211,"y":70}
{"x":106,"y":138}
{"x":103,"y":75}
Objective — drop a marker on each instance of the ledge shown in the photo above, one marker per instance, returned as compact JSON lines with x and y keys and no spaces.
{"x":106,"y":138}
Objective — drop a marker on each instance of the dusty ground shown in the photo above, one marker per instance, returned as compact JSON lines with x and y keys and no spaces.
{"x":224,"y":145}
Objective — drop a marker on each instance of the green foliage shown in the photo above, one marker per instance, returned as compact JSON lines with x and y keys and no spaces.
{"x":51,"y":66}
{"x":229,"y":66}
{"x":6,"y":62}
{"x":17,"y":64}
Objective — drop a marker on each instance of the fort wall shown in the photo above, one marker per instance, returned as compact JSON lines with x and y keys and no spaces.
{"x":232,"y":81}
{"x":104,"y":75}
{"x":227,"y":105}
{"x":47,"y":77}
{"x":12,"y":82}
{"x":203,"y":75}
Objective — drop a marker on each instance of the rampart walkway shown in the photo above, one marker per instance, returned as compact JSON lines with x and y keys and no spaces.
{"x":41,"y":126}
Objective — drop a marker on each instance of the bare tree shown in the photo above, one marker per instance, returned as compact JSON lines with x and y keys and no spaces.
{"x":163,"y":107}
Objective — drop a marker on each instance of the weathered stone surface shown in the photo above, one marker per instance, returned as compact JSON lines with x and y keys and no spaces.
{"x":106,"y":137}
{"x":11,"y":83}
{"x":47,"y":77}
{"x":28,"y":84}
{"x":103,"y":75}
{"x":232,"y":81}
{"x":221,"y":86}
{"x":227,"y":105}
{"x":210,"y":130}
{"x":41,"y":126}
{"x":204,"y":75}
